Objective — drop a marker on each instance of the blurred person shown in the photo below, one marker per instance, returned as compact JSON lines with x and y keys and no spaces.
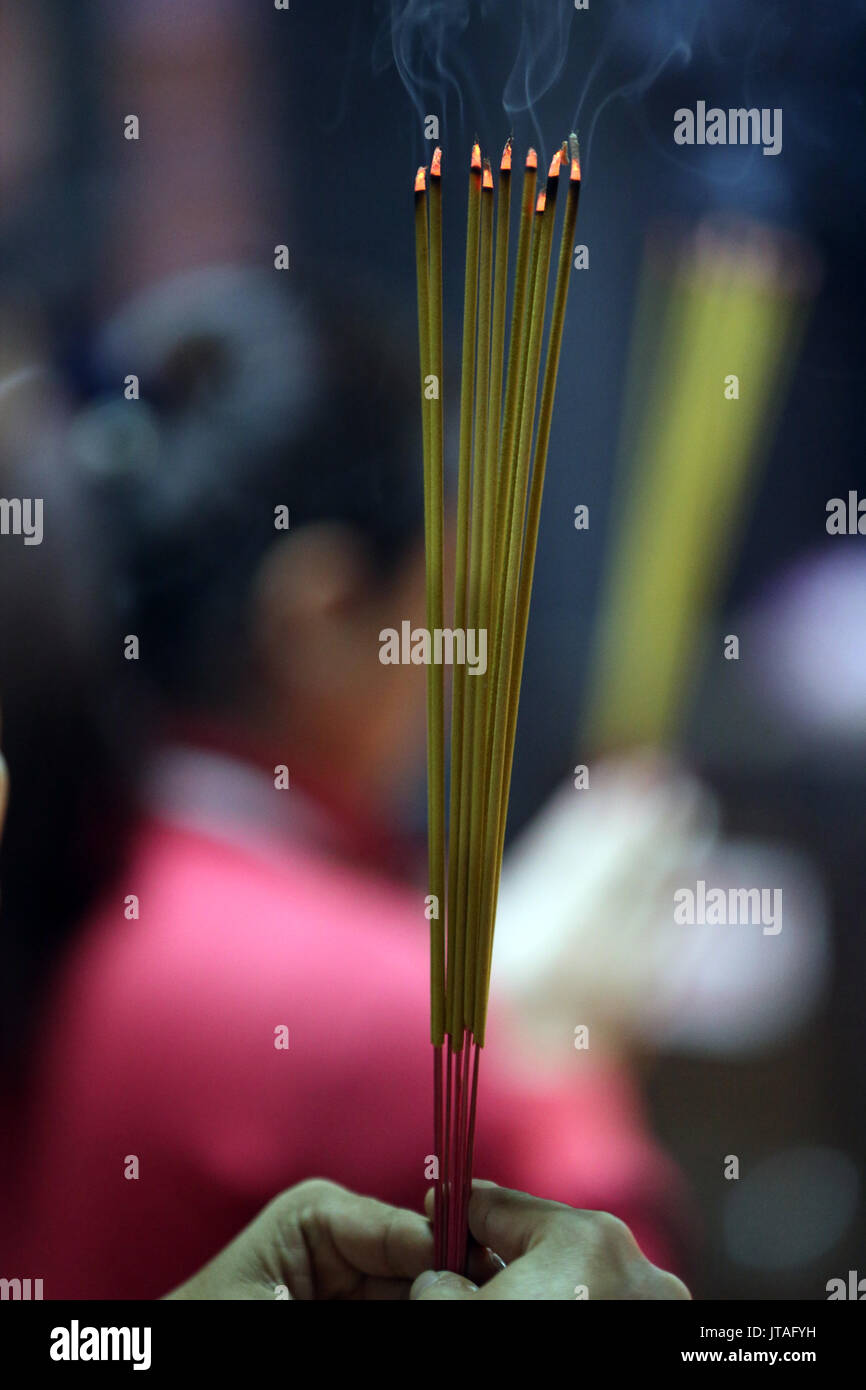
{"x":66,"y":831}
{"x":66,"y":835}
{"x":319,"y":1241}
{"x":249,"y":1006}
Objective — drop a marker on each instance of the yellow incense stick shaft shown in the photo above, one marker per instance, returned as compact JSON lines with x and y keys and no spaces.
{"x":493,"y":535}
{"x":474,"y":721}
{"x":435,"y":672}
{"x":533,"y":515}
{"x":497,"y":367}
{"x":433,"y":576}
{"x":505,"y":691}
{"x":517,"y":344}
{"x":545,"y":420}
{"x":457,"y":811}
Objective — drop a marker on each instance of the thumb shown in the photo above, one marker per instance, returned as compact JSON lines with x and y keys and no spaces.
{"x":442,"y":1285}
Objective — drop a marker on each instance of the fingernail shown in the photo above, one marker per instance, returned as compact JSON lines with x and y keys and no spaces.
{"x":483,"y":1182}
{"x":432,"y":1276}
{"x":496,"y":1260}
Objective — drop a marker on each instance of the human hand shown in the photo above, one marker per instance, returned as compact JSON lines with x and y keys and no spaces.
{"x":552,"y":1252}
{"x":315,"y":1242}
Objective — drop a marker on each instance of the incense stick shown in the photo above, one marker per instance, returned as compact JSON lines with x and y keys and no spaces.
{"x":434,"y":553}
{"x":474,"y":722}
{"x":494,"y":512}
{"x":506,"y":688}
{"x":539,"y":465}
{"x":501,"y":466}
{"x":497,"y":366}
{"x":516,"y":349}
{"x":422,"y":252}
{"x":458,"y":808}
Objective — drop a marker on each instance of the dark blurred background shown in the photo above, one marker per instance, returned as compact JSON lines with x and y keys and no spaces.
{"x":262,"y":126}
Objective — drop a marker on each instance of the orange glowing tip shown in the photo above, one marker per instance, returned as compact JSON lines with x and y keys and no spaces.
{"x":542,"y":201}
{"x":436,"y":164}
{"x":421,"y":180}
{"x":476,"y":157}
{"x":505,"y":164}
{"x":487,"y":181}
{"x":531,"y":159}
{"x":556,"y":164}
{"x":575,"y":170}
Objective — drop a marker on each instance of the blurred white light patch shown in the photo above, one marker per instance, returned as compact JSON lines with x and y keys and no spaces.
{"x":807,"y":636}
{"x":791,"y":1208}
{"x":732,"y":989}
{"x":586,"y":933}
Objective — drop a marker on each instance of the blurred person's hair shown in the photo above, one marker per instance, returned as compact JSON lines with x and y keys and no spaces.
{"x":252,"y":397}
{"x":69,"y":768}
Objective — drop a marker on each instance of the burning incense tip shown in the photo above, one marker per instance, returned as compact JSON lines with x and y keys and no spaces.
{"x":575,"y":170}
{"x":476,"y":157}
{"x":505,"y":165}
{"x":531,"y":159}
{"x":556,"y":164}
{"x":421,"y":179}
{"x":436,"y":164}
{"x":542,"y":200}
{"x":487,"y":181}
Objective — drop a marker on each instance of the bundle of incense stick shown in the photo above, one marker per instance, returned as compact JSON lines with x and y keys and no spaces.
{"x":729,"y":298}
{"x":503,"y":441}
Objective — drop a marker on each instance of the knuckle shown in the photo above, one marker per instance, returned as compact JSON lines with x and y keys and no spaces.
{"x":670,"y":1287}
{"x":313,"y":1188}
{"x":610,"y":1233}
{"x":306,"y":1199}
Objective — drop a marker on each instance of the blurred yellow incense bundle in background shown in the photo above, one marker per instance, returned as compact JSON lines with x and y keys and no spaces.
{"x":716,"y":337}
